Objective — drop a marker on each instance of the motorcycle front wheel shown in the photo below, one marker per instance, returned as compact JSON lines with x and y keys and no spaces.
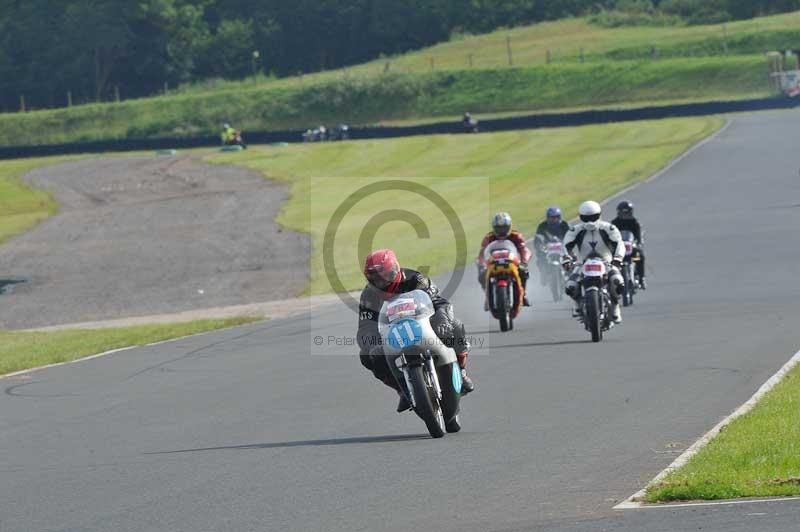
{"x":592,"y":315}
{"x":427,"y":404}
{"x":627,"y":296}
{"x":502,"y":304}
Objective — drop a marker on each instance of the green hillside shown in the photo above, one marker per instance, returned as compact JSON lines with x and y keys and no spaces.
{"x":590,"y":66}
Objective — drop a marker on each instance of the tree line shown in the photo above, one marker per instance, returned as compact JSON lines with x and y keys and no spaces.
{"x":54,"y":51}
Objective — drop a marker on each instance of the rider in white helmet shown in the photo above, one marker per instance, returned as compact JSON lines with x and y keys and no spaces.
{"x":594,"y":238}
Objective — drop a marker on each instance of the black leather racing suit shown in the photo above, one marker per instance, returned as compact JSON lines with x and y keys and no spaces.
{"x":447,"y":327}
{"x":633,"y":225}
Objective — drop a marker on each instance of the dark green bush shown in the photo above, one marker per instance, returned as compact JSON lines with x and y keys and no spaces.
{"x":634,"y":13}
{"x":698,"y":11}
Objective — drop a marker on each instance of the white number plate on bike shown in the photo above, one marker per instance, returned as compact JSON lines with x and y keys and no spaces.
{"x":401,"y":308}
{"x":594,"y":268}
{"x":555,"y":247}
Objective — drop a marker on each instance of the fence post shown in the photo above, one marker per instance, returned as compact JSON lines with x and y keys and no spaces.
{"x":548,"y":57}
{"x":470,"y":60}
{"x":725,"y":38}
{"x":387,"y":66}
{"x":116,"y":93}
{"x":22,"y":103}
{"x":256,"y":56}
{"x":166,"y":87}
{"x":508,"y":49}
{"x":69,"y":98}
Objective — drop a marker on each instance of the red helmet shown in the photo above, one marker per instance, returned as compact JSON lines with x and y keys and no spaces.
{"x":382,"y":269}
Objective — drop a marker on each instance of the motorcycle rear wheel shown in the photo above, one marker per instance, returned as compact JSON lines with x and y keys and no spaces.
{"x":556,"y":286}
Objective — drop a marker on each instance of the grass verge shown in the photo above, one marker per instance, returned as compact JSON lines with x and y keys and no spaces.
{"x":757,"y":455}
{"x":22,"y":206}
{"x":564,"y":39}
{"x":364,"y":100}
{"x":521,"y":171}
{"x":25,"y":350}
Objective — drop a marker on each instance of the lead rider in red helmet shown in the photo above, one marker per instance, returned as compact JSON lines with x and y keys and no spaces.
{"x":385,"y":278}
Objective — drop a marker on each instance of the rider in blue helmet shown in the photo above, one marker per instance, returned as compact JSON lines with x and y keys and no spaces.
{"x":552,"y":227}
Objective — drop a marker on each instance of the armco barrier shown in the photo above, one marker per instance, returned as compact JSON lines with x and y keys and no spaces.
{"x":375,"y":132}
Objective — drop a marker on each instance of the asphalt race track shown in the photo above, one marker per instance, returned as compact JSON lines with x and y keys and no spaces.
{"x":251,"y":429}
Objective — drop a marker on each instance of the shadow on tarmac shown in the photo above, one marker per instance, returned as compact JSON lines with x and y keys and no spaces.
{"x":543,"y":344}
{"x":306,"y":443}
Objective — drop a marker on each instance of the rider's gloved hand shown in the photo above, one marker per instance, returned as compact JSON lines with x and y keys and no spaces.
{"x":616,"y":263}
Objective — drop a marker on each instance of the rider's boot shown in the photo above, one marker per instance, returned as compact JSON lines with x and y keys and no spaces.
{"x":616,"y":313}
{"x":525,"y":301}
{"x":467,"y":385}
{"x":642,"y":283}
{"x":404,"y":403}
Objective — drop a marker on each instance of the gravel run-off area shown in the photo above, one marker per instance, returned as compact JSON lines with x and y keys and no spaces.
{"x":138,"y":236}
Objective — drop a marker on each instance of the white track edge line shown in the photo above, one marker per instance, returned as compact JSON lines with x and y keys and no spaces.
{"x":118,"y":350}
{"x":55,"y":365}
{"x":634,"y":501}
{"x":729,"y":502}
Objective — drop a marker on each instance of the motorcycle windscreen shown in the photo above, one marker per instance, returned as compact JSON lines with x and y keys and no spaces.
{"x":504,"y":249}
{"x":415,"y":305}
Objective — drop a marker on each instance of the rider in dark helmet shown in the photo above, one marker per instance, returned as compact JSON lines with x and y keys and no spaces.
{"x":552,"y":226}
{"x":385,"y":278}
{"x":625,"y":221}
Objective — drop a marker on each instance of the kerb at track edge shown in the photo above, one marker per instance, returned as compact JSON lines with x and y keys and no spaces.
{"x":635,"y":501}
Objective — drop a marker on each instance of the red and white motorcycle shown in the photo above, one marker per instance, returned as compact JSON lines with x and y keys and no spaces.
{"x":596,"y":301}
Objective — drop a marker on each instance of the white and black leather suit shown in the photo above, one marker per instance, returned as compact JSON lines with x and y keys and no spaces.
{"x":600,"y":240}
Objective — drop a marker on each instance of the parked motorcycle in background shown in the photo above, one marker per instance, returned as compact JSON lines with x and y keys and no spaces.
{"x":630,"y":280}
{"x":469,"y":123}
{"x":503,"y":284}
{"x":321,"y":133}
{"x":237,"y":140}
{"x":340,"y":132}
{"x":426,"y":369}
